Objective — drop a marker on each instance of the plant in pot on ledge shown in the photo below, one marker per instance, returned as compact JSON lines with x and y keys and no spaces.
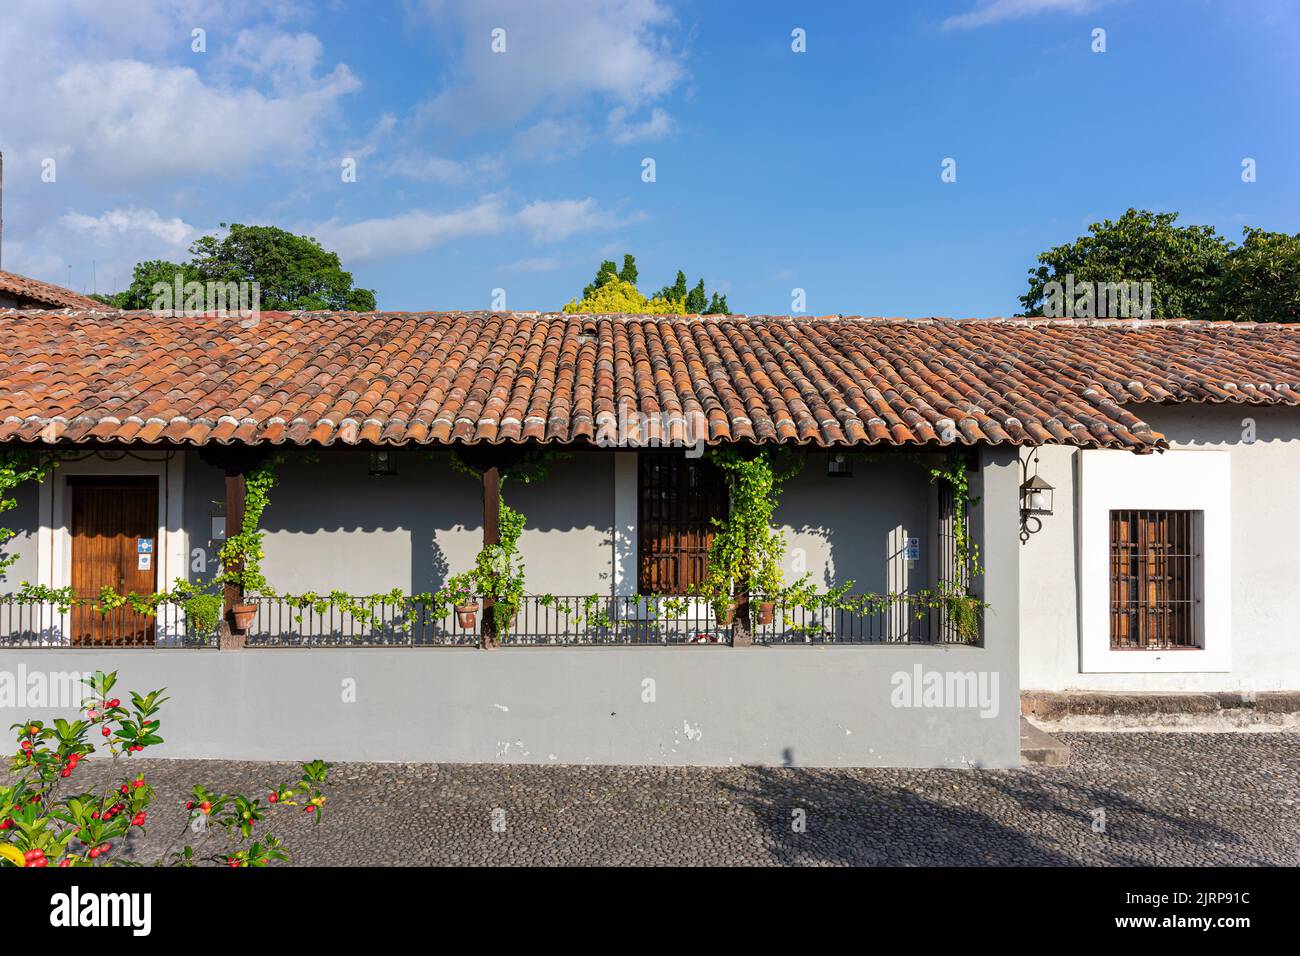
{"x":460,"y":592}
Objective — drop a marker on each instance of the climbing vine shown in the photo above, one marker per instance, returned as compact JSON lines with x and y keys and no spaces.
{"x":241,"y":555}
{"x":748,"y":549}
{"x":498,"y":572}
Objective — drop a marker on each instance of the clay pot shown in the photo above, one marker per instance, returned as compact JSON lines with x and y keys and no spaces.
{"x":766,"y":612}
{"x":467,"y":615}
{"x":243,"y":615}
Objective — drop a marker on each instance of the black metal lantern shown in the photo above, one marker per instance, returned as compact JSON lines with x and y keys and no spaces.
{"x":1036,"y":498}
{"x":840,"y":466}
{"x":383,"y":461}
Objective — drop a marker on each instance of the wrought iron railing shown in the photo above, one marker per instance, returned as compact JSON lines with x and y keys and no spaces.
{"x":25,"y":623}
{"x":541,"y":620}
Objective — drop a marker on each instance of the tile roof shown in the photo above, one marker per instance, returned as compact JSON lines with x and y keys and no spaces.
{"x":49,"y":296}
{"x":440,"y":377}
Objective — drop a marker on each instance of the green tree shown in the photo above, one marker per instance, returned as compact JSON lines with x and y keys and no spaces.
{"x":139,"y":294}
{"x":1184,"y":264}
{"x":1261,"y":281}
{"x":292,"y":271}
{"x":614,"y":290}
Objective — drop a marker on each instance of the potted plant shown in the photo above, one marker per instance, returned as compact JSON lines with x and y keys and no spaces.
{"x":768,"y":585}
{"x":460,"y":590}
{"x":243,"y":616}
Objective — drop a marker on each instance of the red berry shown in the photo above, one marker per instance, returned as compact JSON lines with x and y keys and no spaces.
{"x":65,"y":772}
{"x":106,"y":731}
{"x":232,"y":862}
{"x":309,"y":809}
{"x":39,"y":861}
{"x":66,"y":861}
{"x":114,"y":702}
{"x":205,"y":806}
{"x":137,"y":784}
{"x":138,"y":819}
{"x":273,"y":797}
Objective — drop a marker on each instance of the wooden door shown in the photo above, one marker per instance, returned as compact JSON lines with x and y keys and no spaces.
{"x":114,"y":526}
{"x":678,"y":500}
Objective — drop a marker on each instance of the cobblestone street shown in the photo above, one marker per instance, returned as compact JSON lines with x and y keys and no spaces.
{"x":1168,"y":799}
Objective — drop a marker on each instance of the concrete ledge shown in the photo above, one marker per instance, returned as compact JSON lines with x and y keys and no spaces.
{"x":1037,"y":747}
{"x":1140,"y":710}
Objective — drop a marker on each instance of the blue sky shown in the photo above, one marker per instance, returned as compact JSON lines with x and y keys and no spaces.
{"x":521,"y":170}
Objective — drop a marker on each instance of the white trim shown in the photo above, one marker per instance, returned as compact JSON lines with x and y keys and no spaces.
{"x":54,"y":537}
{"x":1184,"y":480}
{"x":625,"y":531}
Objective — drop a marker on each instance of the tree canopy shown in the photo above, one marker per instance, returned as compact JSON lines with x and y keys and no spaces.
{"x":615,"y":290}
{"x":1194,"y":272}
{"x":292,"y":271}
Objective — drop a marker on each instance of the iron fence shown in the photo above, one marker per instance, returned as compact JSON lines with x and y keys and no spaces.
{"x":25,"y":623}
{"x":541,"y":620}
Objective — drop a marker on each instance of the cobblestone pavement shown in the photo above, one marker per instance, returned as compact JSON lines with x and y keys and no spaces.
{"x":1168,"y":799}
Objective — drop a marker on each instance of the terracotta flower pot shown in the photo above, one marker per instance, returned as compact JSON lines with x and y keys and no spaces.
{"x":725,"y":617}
{"x":243,"y":616}
{"x":766,"y":612}
{"x":467,"y":616}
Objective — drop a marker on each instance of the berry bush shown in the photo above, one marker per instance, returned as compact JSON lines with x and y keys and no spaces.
{"x":46,"y":821}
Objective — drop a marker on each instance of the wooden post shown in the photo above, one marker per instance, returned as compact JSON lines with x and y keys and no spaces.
{"x":232,"y":639}
{"x":491,"y":536}
{"x":741,"y":634}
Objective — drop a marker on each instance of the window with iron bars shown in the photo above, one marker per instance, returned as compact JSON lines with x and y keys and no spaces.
{"x":1154,"y":587}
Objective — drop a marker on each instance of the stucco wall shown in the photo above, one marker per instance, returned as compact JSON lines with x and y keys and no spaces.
{"x":855,"y":528}
{"x":1265,"y":523}
{"x":799,"y":706}
{"x":24,"y":520}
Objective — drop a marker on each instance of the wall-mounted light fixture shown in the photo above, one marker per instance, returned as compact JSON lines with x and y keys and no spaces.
{"x":840,"y":465}
{"x":1036,"y":497}
{"x":383,"y":461}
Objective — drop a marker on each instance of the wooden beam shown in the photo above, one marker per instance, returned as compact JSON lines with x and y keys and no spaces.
{"x":491,"y":536}
{"x":236,"y":489}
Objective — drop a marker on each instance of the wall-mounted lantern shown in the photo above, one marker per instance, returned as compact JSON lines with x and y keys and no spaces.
{"x":383,"y":461}
{"x":1036,"y":498}
{"x":840,"y":466}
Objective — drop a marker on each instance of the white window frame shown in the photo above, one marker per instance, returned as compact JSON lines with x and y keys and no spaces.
{"x":1187,"y":479}
{"x":54,"y":540}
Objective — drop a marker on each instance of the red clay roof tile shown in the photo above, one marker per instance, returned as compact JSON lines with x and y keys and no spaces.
{"x":318,"y":378}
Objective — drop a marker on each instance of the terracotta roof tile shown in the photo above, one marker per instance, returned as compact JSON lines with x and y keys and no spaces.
{"x":321,"y":378}
{"x":45,"y":294}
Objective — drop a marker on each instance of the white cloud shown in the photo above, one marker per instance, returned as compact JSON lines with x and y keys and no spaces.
{"x":103,"y":249}
{"x":544,"y":221}
{"x":657,"y":125}
{"x":408,"y":232}
{"x":559,"y":53}
{"x":553,"y":138}
{"x":111,"y":90}
{"x":987,"y":12}
{"x":132,"y":220}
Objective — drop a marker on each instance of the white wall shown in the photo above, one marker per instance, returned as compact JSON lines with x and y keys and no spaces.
{"x":1264,"y":537}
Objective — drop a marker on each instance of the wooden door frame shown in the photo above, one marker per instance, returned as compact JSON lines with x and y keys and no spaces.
{"x":171,"y":554}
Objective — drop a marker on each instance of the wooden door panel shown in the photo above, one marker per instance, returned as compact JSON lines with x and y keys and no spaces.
{"x":109,"y":517}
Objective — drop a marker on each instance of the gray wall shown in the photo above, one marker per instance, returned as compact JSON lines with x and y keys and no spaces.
{"x":855,"y":528}
{"x":24,"y":520}
{"x":799,"y":706}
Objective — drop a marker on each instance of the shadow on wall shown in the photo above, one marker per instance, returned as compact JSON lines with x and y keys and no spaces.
{"x":855,"y":528}
{"x":888,"y":817}
{"x":424,"y":500}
